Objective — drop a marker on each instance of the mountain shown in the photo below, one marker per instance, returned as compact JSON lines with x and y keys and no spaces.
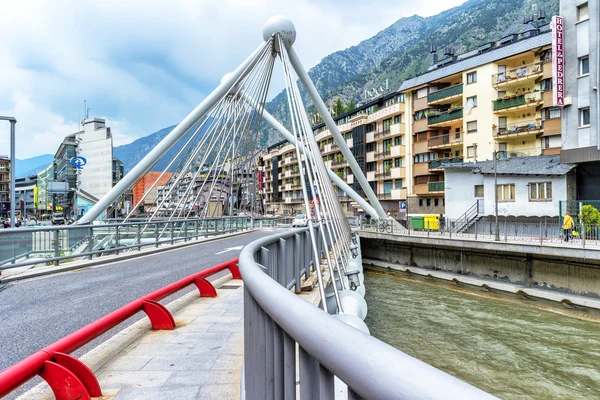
{"x":33,"y":165}
{"x":401,"y":51}
{"x":398,"y":52}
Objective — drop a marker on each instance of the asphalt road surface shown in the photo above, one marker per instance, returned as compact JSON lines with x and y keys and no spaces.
{"x":37,"y":312}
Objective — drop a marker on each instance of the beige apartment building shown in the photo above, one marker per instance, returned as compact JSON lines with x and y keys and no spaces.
{"x":497,"y":98}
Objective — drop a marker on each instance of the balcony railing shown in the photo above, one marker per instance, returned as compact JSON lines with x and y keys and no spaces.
{"x":436,"y":186}
{"x":433,"y":164}
{"x":519,"y":128}
{"x":449,"y":115}
{"x":384,"y":174}
{"x":338,"y":162}
{"x":445,"y":93}
{"x":517,"y":101}
{"x":517,"y":74}
{"x":383,"y":133}
{"x":383,"y":154}
{"x":446,"y":140}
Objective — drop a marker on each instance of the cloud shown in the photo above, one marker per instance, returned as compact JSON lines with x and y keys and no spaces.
{"x":144,"y":65}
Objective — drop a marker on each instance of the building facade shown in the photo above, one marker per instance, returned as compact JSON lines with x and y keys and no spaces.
{"x":43,"y":201}
{"x":581,"y":124}
{"x":143,"y":187}
{"x":95,"y":144}
{"x":466,"y":108}
{"x":25,"y":195}
{"x":4,"y":186}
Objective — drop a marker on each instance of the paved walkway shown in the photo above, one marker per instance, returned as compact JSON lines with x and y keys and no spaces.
{"x":200,"y":359}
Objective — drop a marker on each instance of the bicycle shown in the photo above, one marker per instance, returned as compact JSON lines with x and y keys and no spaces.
{"x":385,"y":226}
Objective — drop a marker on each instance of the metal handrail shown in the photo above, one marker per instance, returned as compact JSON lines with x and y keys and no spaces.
{"x":275,"y":319}
{"x":177,"y":230}
{"x":19,"y":373}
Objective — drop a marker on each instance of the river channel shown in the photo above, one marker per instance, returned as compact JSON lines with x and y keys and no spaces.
{"x":511,"y":348}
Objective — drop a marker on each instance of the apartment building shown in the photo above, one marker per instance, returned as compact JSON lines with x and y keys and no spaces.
{"x":376,"y":135}
{"x":466,"y":107}
{"x":581,"y":122}
{"x":4,"y":186}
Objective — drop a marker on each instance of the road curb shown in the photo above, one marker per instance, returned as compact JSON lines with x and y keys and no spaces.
{"x":111,"y":259}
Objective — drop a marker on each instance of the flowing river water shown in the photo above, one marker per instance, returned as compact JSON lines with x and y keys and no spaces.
{"x":511,"y":348}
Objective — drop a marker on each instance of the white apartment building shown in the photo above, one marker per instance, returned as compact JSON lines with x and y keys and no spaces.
{"x":95,"y":144}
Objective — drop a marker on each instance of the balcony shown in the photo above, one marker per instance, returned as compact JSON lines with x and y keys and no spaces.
{"x":398,"y":150}
{"x":421,"y":189}
{"x":339,"y":163}
{"x":517,"y":75}
{"x":420,"y":104}
{"x":521,"y":128}
{"x":421,"y":169}
{"x":420,"y":125}
{"x":382,"y":134}
{"x":386,"y":111}
{"x":370,"y":137}
{"x":447,"y":140}
{"x":384,"y":175}
{"x":445,"y":117}
{"x":515,"y":102}
{"x":435,"y":187}
{"x":420,"y":147}
{"x":383,"y":154}
{"x":371,"y":156}
{"x":436,"y":165}
{"x":394,"y":194}
{"x":445,"y":94}
{"x":398,"y":172}
{"x":397,"y":129}
{"x":350,"y":179}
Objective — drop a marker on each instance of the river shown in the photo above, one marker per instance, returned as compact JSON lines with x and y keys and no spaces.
{"x":511,"y":348}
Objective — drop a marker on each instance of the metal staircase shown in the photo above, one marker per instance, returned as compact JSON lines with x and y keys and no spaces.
{"x":465,"y":221}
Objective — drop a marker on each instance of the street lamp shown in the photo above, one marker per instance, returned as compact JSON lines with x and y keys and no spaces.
{"x":12,"y":121}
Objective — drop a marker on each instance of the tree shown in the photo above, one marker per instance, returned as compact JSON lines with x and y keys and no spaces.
{"x":351,"y":106}
{"x":339,"y":108}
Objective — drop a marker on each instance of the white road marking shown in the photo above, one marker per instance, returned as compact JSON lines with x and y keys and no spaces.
{"x":230,"y":249}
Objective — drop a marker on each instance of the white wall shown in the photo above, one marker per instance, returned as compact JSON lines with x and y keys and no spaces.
{"x":96,"y":147}
{"x":522,"y":206}
{"x":460,"y":194}
{"x":460,"y":191}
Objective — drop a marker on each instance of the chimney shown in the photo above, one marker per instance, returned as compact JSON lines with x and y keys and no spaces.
{"x":448,"y":51}
{"x":541,"y":15}
{"x":432,"y":54}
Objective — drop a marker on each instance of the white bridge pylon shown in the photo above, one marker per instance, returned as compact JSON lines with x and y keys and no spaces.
{"x":211,"y":173}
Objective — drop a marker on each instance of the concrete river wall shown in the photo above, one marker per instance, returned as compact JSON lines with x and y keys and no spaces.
{"x":559,"y":268}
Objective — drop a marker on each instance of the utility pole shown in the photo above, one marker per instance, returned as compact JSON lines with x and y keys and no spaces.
{"x":13,"y":164}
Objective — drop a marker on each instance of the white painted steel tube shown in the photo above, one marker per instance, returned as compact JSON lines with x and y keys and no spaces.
{"x":154,"y":155}
{"x":335,"y":132}
{"x":334,"y":177}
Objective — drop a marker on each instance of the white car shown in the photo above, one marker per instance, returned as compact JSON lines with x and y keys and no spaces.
{"x":300,"y":221}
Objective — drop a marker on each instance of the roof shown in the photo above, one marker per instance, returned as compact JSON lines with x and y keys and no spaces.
{"x":537,"y":165}
{"x":474,"y":59}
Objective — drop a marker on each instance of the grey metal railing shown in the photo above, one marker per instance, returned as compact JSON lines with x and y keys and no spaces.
{"x":286,"y":337}
{"x":20,"y":247}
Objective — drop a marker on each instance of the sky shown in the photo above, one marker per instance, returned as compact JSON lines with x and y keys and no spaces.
{"x":145,"y":64}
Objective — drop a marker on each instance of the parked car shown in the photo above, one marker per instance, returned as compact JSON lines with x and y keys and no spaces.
{"x":300,"y":221}
{"x":58,"y":219}
{"x":6,"y":223}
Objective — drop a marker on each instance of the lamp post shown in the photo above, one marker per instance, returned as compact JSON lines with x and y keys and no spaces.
{"x":497,"y":236}
{"x":12,"y":121}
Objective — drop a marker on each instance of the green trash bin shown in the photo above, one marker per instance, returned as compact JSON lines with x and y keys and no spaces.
{"x":417,"y":222}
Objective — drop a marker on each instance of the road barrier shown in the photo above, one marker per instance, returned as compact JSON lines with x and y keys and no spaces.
{"x":68,"y":377}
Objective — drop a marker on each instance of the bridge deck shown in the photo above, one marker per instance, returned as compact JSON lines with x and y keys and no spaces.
{"x":200,"y":359}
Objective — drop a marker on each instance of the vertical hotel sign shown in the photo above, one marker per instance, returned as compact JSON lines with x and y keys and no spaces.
{"x":558,"y":62}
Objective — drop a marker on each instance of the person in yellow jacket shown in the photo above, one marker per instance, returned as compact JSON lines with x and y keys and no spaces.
{"x":568,"y":225}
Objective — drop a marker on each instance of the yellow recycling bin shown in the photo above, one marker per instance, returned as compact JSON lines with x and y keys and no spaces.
{"x":432,"y":222}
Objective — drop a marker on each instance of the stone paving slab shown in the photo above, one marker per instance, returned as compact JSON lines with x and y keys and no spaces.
{"x":200,"y":359}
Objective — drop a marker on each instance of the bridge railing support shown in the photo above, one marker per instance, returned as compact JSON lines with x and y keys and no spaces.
{"x":276,"y":322}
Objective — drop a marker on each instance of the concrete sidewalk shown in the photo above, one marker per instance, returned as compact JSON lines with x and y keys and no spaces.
{"x":200,"y":359}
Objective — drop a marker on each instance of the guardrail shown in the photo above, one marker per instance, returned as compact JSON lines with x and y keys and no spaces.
{"x":276,"y":320}
{"x":55,"y":244}
{"x":68,"y":377}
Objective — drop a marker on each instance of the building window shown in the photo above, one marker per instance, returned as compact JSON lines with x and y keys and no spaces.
{"x":436,"y":202}
{"x":582,"y":12}
{"x":472,"y":77}
{"x":471,"y":152}
{"x":398,"y":119}
{"x":420,"y":202}
{"x":471,"y":102}
{"x":371,"y":166}
{"x":398,"y":184}
{"x":421,"y":93}
{"x":478,"y":190}
{"x":546,"y":85}
{"x":506,"y":192}
{"x":370,"y":127}
{"x":540,"y":191}
{"x":428,"y":202}
{"x":397,"y":162}
{"x":419,"y":115}
{"x":584,"y":117}
{"x":552,"y":113}
{"x":397,"y":140}
{"x":502,"y":147}
{"x":471,"y":126}
{"x":546,"y":142}
{"x":387,"y":187}
{"x":584,"y":66}
{"x":370,"y":147}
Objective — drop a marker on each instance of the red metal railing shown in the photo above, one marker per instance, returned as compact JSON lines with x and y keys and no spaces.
{"x":71,"y":379}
